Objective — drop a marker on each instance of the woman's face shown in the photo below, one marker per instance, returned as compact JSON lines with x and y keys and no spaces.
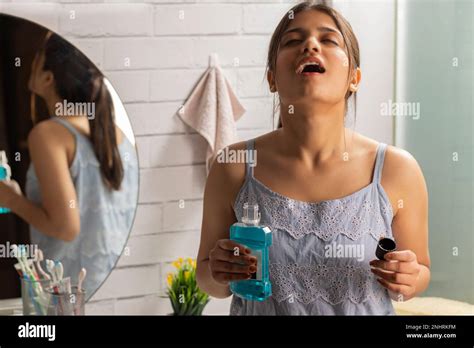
{"x":311,"y":34}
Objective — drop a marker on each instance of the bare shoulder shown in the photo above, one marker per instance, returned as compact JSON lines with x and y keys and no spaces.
{"x":50,"y":137}
{"x":226,"y":176}
{"x":402,"y":177}
{"x":404,"y":182}
{"x":401,"y":168}
{"x":49,"y":131}
{"x":228,"y":171}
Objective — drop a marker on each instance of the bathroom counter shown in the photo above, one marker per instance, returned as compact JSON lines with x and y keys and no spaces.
{"x":415,"y":306}
{"x":433,"y":306}
{"x":11,"y":306}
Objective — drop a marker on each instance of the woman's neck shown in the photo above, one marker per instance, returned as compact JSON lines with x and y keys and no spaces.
{"x":51,"y":102}
{"x":314,"y":134}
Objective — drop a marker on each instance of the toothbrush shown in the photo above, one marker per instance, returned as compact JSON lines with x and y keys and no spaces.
{"x":80,"y":279}
{"x":51,"y":267}
{"x":31,"y":263}
{"x":20,"y":263}
{"x":38,"y":258}
{"x":18,"y":269}
{"x":59,"y":270}
{"x":51,"y":270}
{"x":17,"y":250}
{"x":21,"y":256}
{"x":28,"y":262}
{"x":24,"y":260}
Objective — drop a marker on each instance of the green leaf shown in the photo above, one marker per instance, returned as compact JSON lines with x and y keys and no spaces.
{"x":183,"y":308}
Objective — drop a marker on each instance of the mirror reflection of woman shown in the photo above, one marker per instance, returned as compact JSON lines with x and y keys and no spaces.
{"x":82,"y":182}
{"x":318,"y":184}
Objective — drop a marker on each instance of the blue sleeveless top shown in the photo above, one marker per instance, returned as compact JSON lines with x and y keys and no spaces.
{"x":106,"y":216}
{"x":319,"y":258}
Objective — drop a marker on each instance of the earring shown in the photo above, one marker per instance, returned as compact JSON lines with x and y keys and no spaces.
{"x":272,"y":88}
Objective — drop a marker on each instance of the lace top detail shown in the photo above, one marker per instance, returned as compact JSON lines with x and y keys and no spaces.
{"x":322,"y":219}
{"x":332,"y":284}
{"x":319,"y":259}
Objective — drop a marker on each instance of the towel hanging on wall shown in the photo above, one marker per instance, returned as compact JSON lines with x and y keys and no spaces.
{"x":212,"y":110}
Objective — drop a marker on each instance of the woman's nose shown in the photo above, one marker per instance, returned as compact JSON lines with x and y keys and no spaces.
{"x":311,"y":44}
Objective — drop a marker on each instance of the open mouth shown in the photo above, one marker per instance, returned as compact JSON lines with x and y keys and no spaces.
{"x":313,"y":68}
{"x":310,"y":65}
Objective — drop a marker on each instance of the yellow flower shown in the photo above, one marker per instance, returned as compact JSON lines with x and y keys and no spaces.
{"x":190,"y":261}
{"x":170,"y":279}
{"x":177,"y":263}
{"x":186,"y":275}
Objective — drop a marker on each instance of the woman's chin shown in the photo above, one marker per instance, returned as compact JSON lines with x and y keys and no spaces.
{"x":310,"y":98}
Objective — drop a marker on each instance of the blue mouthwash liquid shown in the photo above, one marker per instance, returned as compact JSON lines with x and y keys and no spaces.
{"x":5,"y":174}
{"x":258,"y":239}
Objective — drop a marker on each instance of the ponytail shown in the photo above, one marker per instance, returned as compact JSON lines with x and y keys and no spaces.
{"x":103,"y":135}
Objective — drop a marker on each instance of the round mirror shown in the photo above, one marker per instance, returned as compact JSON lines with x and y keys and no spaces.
{"x":68,"y":163}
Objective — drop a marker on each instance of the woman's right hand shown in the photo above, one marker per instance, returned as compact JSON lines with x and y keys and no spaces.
{"x":230,"y":261}
{"x":9,"y":190}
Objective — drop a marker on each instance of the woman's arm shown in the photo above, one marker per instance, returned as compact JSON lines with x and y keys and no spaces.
{"x":215,"y":260}
{"x":407,"y":271}
{"x":58,"y":215}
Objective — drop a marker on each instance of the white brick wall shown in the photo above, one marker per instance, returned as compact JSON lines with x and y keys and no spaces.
{"x":153,"y":53}
{"x":106,"y":20}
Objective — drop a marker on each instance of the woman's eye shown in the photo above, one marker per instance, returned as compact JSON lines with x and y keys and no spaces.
{"x":327,"y":40}
{"x":290,"y":42}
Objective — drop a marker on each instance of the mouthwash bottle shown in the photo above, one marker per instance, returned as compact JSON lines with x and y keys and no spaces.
{"x":5,"y":173}
{"x":258,"y":239}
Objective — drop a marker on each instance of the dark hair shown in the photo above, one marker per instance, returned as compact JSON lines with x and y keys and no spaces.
{"x":77,"y":80}
{"x":350,"y":40}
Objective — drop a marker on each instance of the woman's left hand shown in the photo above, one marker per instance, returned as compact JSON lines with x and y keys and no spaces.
{"x":399,"y":273}
{"x":9,"y":189}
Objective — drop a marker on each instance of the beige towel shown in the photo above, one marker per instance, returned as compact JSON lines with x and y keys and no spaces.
{"x":212,"y":110}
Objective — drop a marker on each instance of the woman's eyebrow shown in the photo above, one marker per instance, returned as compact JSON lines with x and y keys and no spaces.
{"x":303,"y":31}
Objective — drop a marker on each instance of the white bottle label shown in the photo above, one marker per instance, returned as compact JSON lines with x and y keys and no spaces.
{"x":258,"y":254}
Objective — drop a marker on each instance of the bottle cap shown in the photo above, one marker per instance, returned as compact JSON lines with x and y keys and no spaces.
{"x":3,"y":157}
{"x":251,"y":215}
{"x":385,"y":245}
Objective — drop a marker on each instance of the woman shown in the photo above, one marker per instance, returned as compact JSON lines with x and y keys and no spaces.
{"x":320,"y":188}
{"x":82,"y":183}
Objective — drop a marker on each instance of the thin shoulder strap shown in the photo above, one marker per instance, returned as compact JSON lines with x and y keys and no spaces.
{"x":379,"y":162}
{"x":66,"y":124}
{"x":251,"y":159}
